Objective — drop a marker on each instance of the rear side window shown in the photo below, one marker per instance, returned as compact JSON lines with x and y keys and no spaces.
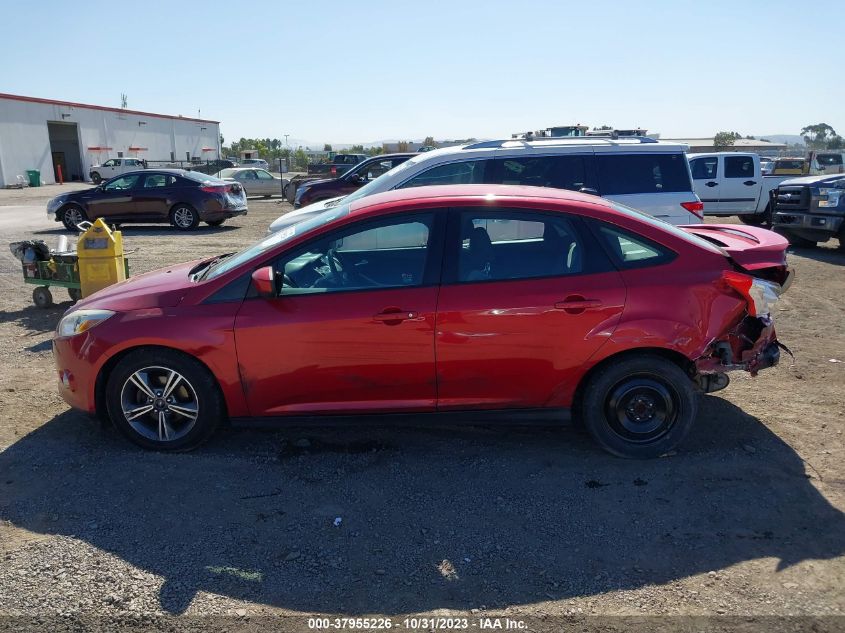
{"x":470,"y":172}
{"x":739,"y":167}
{"x":560,"y":172}
{"x":704,"y":168}
{"x":621,"y":174}
{"x":629,"y":250}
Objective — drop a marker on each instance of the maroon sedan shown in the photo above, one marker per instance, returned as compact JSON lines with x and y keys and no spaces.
{"x":476,"y":302}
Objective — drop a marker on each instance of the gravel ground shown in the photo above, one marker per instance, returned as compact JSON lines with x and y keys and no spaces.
{"x":534,"y":523}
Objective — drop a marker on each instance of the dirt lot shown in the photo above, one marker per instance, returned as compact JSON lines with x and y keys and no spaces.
{"x":746,"y":519}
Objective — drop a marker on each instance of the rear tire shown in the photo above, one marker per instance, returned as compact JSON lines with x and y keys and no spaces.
{"x":71,"y":216}
{"x":164,"y":400}
{"x":639,"y":407}
{"x":184,"y":217}
{"x":42,"y":297}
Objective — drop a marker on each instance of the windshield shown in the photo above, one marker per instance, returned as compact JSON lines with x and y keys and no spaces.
{"x":670,"y":228}
{"x":371,"y":187}
{"x":307,"y":225}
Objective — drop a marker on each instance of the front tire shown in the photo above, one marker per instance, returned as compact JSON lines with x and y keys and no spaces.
{"x":164,"y":400}
{"x":639,"y":407}
{"x":184,"y":217}
{"x":96,"y":178}
{"x":72,"y":216}
{"x":758,"y":219}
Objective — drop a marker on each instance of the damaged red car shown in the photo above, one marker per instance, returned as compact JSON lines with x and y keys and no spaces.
{"x":479,"y":303}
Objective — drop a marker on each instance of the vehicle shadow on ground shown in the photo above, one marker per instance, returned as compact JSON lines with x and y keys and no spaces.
{"x":36,"y":320}
{"x":827,"y":253}
{"x":455,"y":517}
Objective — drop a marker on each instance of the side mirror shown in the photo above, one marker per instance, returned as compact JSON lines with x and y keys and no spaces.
{"x":265,"y":282}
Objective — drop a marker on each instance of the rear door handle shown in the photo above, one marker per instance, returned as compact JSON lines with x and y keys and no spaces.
{"x":395,"y":316}
{"x":749,"y":183}
{"x":577,"y":304}
{"x":711,"y":183}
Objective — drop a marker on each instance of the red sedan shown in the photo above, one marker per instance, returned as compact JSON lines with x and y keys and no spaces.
{"x":476,"y":302}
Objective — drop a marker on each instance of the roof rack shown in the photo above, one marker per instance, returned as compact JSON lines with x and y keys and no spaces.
{"x":532,"y":138}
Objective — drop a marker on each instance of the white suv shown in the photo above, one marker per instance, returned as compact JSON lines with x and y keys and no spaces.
{"x":643,"y":173}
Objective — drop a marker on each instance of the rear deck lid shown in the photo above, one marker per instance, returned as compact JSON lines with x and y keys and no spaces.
{"x":751,"y":248}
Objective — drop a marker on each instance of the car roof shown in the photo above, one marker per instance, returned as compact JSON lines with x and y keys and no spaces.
{"x":393,"y":155}
{"x":456,"y":194}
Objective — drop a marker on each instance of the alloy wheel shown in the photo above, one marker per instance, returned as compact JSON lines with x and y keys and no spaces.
{"x":159,"y":404}
{"x":183,"y":217}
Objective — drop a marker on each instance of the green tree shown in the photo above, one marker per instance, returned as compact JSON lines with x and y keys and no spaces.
{"x":724,"y":140}
{"x":327,"y":147}
{"x":429,"y":141}
{"x":816,"y":136}
{"x":300,"y":159}
{"x":836,"y":142}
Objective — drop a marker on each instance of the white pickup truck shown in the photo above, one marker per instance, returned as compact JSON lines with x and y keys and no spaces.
{"x":731,"y":183}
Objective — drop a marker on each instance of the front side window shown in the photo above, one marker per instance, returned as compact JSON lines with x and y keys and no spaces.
{"x":248,"y":175}
{"x":560,"y":172}
{"x":621,"y":174}
{"x":123,"y":183}
{"x":385,"y":254}
{"x":739,"y":167}
{"x":516,"y":244}
{"x":110,"y":163}
{"x":460,"y":173}
{"x":829,"y":160}
{"x":705,"y":168}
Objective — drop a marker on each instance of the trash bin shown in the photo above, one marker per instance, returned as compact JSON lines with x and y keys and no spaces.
{"x":34,"y":177}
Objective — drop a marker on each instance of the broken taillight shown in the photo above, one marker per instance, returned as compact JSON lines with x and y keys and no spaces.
{"x":759,"y":294}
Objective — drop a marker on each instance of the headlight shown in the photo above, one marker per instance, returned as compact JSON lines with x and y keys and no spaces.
{"x":829,"y":197}
{"x":81,"y":321}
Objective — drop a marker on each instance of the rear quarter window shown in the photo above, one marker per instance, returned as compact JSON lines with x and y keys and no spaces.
{"x":621,"y":174}
{"x":629,"y":250}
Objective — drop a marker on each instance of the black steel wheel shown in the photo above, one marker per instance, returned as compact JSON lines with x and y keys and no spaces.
{"x":75,"y":294}
{"x":641,"y":406}
{"x":96,"y":178}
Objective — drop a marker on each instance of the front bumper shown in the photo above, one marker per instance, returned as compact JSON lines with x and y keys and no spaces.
{"x":807,"y":222}
{"x":75,"y":373}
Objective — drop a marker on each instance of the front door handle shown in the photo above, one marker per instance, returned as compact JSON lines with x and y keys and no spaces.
{"x":576,"y":304}
{"x":711,"y":183}
{"x":749,"y":183}
{"x":395,"y":316}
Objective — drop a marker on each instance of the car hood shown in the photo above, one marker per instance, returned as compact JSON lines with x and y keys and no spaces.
{"x":318,"y":181}
{"x":810,"y":180}
{"x":157,"y":289}
{"x":285,"y":220}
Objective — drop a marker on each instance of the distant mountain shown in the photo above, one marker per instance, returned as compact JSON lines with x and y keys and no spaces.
{"x":789,"y":139}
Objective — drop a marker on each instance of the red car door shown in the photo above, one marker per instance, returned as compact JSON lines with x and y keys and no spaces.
{"x":527,"y":298}
{"x":353,"y":328}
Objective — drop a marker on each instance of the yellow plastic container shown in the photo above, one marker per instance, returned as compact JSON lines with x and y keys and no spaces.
{"x":100,"y":254}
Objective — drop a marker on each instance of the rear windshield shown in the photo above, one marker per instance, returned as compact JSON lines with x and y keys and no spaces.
{"x":621,"y":174}
{"x":199,"y":176}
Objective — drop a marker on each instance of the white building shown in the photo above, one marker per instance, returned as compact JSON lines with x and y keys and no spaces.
{"x":43,"y":133}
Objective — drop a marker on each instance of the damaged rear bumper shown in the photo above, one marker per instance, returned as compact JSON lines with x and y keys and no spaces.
{"x":751,"y":346}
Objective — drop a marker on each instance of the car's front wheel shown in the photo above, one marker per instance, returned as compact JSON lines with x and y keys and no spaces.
{"x":639,"y":407}
{"x":96,"y":178}
{"x":163,"y":400}
{"x":184,"y":217}
{"x":72,"y":216}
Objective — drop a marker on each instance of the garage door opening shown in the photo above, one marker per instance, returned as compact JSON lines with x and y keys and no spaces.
{"x":64,"y":147}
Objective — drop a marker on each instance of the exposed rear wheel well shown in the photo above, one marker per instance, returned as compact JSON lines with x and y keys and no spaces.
{"x":679,"y":359}
{"x":105,"y":371}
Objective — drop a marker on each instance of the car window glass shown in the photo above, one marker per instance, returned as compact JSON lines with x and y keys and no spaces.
{"x":155,"y":180}
{"x":249,"y":175}
{"x":387,"y":254}
{"x":560,"y":172}
{"x":739,"y":167}
{"x":123,"y":183}
{"x":374,"y":169}
{"x":705,"y":168}
{"x":263,"y":175}
{"x":829,"y":159}
{"x":515,"y":244}
{"x":648,"y":172}
{"x":460,"y":173}
{"x":109,"y":163}
{"x":632,"y":251}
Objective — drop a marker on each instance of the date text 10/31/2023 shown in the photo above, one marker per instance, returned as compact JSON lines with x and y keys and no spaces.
{"x":417,"y":623}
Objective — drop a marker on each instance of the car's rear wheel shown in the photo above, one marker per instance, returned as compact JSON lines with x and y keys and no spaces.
{"x":215,"y":222}
{"x":639,"y":407}
{"x":757,"y":219}
{"x":71,"y":216}
{"x":163,"y":400}
{"x":96,"y":178}
{"x":184,"y":217}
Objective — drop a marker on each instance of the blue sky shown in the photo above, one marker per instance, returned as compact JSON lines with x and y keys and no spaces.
{"x":347,"y":72}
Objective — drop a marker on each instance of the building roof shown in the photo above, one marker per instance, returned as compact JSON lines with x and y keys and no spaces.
{"x":71,"y":104}
{"x":740,"y":143}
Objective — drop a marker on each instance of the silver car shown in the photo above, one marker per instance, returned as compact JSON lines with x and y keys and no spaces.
{"x":256,"y":182}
